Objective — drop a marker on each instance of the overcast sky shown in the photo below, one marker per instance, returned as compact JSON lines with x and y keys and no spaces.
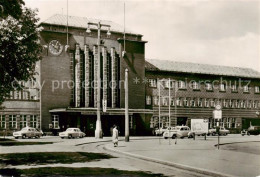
{"x":221,"y":32}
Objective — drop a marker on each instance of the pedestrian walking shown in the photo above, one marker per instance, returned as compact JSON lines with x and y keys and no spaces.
{"x":115,"y":136}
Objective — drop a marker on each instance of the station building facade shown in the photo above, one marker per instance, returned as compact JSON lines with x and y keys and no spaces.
{"x":69,"y":76}
{"x":66,"y":87}
{"x":195,"y":90}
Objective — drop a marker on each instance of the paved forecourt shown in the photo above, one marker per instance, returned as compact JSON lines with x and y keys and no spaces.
{"x":198,"y":155}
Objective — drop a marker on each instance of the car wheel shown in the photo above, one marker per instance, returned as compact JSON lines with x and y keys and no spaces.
{"x":70,"y":136}
{"x":165,"y":137}
{"x":173,"y":136}
{"x":36,"y":136}
{"x":224,"y":134}
{"x":24,"y":136}
{"x":213,"y":134}
{"x":16,"y":137}
{"x":62,"y":137}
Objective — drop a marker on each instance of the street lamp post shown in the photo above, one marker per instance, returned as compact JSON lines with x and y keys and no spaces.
{"x":126,"y":108}
{"x":98,"y":131}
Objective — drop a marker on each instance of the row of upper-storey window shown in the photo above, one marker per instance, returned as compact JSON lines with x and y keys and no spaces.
{"x":30,"y":94}
{"x":197,"y":85}
{"x":202,"y":102}
{"x":25,"y":120}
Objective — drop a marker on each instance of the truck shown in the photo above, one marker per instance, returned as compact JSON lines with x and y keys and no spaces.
{"x":198,"y":127}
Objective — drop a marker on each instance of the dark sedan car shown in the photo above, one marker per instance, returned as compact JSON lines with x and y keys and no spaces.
{"x":252,"y":130}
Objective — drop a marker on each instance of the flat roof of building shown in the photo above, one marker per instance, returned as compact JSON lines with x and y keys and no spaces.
{"x":82,"y":22}
{"x":196,"y":68}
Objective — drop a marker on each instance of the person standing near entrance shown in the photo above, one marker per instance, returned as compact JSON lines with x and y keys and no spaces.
{"x":115,"y":136}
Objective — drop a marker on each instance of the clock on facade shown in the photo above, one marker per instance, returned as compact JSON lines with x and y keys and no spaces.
{"x":55,"y":47}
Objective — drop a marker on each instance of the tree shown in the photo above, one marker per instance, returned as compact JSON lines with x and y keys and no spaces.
{"x":19,"y":45}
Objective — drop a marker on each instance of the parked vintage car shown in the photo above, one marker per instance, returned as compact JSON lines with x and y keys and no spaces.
{"x":222,"y":131}
{"x":72,"y":133}
{"x":178,"y":131}
{"x":252,"y":130}
{"x":27,"y":132}
{"x":159,"y":132}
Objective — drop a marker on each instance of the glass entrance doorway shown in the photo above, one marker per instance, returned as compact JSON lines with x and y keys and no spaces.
{"x":182,"y":121}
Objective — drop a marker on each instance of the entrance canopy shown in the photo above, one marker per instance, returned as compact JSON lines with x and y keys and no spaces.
{"x":109,"y":111}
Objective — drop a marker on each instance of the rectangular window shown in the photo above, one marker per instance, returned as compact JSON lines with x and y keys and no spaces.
{"x":185,"y":102}
{"x":12,"y":121}
{"x":192,"y":103}
{"x":222,"y":87}
{"x":249,"y":104}
{"x":178,"y":102}
{"x":55,"y":121}
{"x":172,"y":101}
{"x":234,"y":88}
{"x":148,"y":100}
{"x":209,"y":87}
{"x":155,"y":101}
{"x":230,"y":104}
{"x":152,"y":83}
{"x":2,"y":121}
{"x":246,"y":88}
{"x":225,"y":103}
{"x":206,"y":102}
{"x":33,"y":121}
{"x":168,"y":84}
{"x":23,"y":121}
{"x":165,"y":101}
{"x":236,"y":104}
{"x":257,"y":89}
{"x":181,"y":85}
{"x":195,"y":85}
{"x":242,"y":104}
{"x":199,"y":102}
{"x":212,"y":103}
{"x":228,"y":122}
{"x":255,"y":104}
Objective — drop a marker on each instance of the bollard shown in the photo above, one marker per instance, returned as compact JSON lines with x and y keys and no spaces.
{"x":193,"y":136}
{"x":205,"y":137}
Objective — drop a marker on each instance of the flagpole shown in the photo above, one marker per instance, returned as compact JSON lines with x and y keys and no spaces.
{"x":159,"y":110}
{"x":169,"y":109}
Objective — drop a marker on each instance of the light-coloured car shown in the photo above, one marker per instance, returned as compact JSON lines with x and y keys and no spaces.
{"x":159,"y":132}
{"x":72,"y":133}
{"x":27,"y":132}
{"x":222,"y":131}
{"x":178,"y":131}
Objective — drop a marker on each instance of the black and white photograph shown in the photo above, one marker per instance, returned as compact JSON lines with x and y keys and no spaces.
{"x":106,"y":88}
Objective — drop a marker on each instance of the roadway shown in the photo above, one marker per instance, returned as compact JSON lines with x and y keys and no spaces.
{"x":186,"y":158}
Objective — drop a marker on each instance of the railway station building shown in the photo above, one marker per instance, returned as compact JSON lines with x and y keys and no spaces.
{"x":66,"y":93}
